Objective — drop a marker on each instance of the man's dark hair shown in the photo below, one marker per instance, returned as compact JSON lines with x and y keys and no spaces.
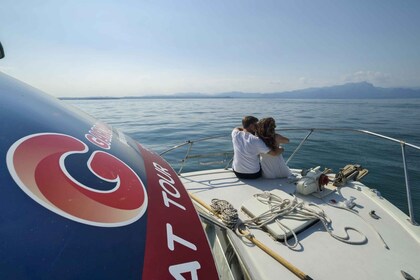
{"x":248,"y":120}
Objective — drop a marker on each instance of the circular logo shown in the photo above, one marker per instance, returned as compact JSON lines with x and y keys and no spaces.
{"x":37,"y":164}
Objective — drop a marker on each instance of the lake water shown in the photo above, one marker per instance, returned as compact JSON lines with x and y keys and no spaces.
{"x":161,"y":123}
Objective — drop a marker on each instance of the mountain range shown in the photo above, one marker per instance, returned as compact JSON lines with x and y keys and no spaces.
{"x":362,"y":90}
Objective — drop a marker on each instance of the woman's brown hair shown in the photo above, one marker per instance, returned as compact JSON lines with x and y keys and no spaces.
{"x":266,"y":132}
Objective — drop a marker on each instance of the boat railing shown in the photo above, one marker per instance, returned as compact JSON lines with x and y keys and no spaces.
{"x":190,"y":144}
{"x":228,"y":155}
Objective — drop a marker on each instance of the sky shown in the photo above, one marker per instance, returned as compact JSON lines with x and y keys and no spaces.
{"x":158,"y":47}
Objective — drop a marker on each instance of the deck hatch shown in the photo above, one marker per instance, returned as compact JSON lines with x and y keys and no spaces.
{"x":255,"y":208}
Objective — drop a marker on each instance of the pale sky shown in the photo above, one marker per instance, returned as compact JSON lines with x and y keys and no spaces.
{"x":124,"y":48}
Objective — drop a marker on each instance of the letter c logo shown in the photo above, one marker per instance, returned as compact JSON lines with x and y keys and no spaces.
{"x":37,"y":164}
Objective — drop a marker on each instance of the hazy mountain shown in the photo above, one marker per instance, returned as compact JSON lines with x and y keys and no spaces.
{"x":238,"y":94}
{"x":350,"y":91}
{"x":361,"y":90}
{"x":191,"y":94}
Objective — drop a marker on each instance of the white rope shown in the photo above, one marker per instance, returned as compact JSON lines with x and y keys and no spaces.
{"x":354,"y":212}
{"x":293,"y":209}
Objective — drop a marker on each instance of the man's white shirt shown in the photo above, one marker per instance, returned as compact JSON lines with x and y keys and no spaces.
{"x":246,"y":149}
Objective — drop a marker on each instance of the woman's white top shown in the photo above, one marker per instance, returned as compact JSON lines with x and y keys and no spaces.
{"x":274,"y":166}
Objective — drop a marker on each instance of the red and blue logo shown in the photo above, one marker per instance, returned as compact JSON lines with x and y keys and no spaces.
{"x":37,"y":164}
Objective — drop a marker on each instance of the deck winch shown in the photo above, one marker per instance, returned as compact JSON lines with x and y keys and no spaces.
{"x":313,"y":181}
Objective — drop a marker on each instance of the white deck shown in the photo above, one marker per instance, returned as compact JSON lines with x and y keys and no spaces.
{"x":319,"y":255}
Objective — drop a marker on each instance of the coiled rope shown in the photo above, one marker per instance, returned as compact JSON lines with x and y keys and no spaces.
{"x":226,"y":212}
{"x":293,"y":209}
{"x":300,"y":274}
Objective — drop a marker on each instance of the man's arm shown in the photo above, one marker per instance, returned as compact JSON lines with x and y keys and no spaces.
{"x":238,"y":129}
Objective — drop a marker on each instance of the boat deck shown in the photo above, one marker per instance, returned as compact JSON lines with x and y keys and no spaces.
{"x":318,"y":254}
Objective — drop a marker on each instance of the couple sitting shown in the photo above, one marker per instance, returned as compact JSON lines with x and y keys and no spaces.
{"x":256,"y":150}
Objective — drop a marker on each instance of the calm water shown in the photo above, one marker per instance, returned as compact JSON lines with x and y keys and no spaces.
{"x":161,"y":123}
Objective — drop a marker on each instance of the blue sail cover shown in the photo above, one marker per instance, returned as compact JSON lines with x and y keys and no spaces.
{"x":82,"y":200}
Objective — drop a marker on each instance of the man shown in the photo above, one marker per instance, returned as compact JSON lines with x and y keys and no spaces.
{"x":247,"y":148}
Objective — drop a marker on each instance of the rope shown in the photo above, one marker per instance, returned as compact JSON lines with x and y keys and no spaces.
{"x":226,"y":212}
{"x":293,"y":209}
{"x":222,"y":204}
{"x":354,"y":212}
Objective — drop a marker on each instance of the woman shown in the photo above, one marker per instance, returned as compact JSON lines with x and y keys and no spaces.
{"x":272,"y":166}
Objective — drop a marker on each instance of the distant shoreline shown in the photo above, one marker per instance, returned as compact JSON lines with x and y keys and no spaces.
{"x":150,"y":97}
{"x":363,"y":90}
{"x":209,"y":97}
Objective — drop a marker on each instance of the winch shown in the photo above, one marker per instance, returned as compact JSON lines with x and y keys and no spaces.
{"x":313,"y":181}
